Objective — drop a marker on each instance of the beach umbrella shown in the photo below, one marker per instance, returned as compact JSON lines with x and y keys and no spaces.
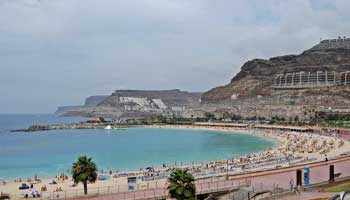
{"x":149,"y":168}
{"x":103,"y":177}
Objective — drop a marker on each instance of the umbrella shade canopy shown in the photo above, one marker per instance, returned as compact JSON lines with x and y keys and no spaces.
{"x":103,"y":177}
{"x":24,"y":186}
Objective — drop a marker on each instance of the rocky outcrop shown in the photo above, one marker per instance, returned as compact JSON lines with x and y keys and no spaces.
{"x":251,"y":89}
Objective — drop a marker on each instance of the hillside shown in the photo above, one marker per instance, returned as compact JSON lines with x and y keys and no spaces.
{"x":140,"y":103}
{"x":256,"y":76}
{"x":284,"y":85}
{"x":163,"y":98}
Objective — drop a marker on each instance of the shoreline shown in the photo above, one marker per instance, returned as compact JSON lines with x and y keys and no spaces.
{"x":261,"y":133}
{"x":276,"y":140}
{"x":12,"y":187}
{"x":266,"y":134}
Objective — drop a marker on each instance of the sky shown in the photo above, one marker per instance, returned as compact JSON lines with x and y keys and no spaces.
{"x":57,"y":52}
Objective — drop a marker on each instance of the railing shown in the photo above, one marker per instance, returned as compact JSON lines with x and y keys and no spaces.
{"x":260,"y":191}
{"x":305,"y":85}
{"x":152,"y":191}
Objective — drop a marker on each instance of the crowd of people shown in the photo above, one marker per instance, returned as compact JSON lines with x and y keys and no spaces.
{"x":292,"y":148}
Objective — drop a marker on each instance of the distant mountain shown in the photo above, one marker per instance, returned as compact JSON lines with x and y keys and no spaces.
{"x":141,"y":103}
{"x":289,"y":86}
{"x":165,"y":99}
{"x":91,"y":101}
{"x":94,"y":100}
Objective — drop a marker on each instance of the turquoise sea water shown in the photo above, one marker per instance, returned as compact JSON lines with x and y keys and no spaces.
{"x":49,"y":153}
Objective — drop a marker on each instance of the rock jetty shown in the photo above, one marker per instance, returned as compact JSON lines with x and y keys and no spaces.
{"x":91,"y":124}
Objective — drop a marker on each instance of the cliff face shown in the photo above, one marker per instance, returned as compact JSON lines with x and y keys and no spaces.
{"x":253,"y":91}
{"x":91,"y":101}
{"x":165,"y":98}
{"x":94,"y":100}
{"x":256,"y":76}
{"x":139,"y":103}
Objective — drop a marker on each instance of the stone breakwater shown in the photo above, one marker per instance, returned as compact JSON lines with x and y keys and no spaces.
{"x":80,"y":125}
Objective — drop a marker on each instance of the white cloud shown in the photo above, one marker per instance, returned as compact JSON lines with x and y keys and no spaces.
{"x":83,"y":47}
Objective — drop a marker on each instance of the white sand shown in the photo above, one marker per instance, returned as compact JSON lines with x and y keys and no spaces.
{"x":120,"y":184}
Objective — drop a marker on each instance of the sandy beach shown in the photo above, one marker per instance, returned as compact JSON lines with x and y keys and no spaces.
{"x":292,"y":148}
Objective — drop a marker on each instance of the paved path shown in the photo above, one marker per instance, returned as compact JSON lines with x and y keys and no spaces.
{"x":201,"y":188}
{"x":319,"y":172}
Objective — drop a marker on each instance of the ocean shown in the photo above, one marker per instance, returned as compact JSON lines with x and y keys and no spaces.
{"x":50,"y":153}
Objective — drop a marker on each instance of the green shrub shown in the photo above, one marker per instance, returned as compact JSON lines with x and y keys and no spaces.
{"x":4,"y":196}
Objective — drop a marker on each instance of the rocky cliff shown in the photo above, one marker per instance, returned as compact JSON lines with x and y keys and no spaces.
{"x":252,"y":89}
{"x":160,"y":98}
{"x":140,"y":103}
{"x":94,"y":100}
{"x":256,"y":76}
{"x":91,"y":101}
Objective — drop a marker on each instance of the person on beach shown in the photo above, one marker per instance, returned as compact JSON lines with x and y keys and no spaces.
{"x":298,"y":188}
{"x":291,"y":184}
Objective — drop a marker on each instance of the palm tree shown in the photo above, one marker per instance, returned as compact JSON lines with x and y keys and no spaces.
{"x":84,"y":170}
{"x":181,"y":185}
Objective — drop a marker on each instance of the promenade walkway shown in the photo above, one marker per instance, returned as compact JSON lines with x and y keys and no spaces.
{"x":161,"y":193}
{"x":280,"y":178}
{"x":307,"y":196}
